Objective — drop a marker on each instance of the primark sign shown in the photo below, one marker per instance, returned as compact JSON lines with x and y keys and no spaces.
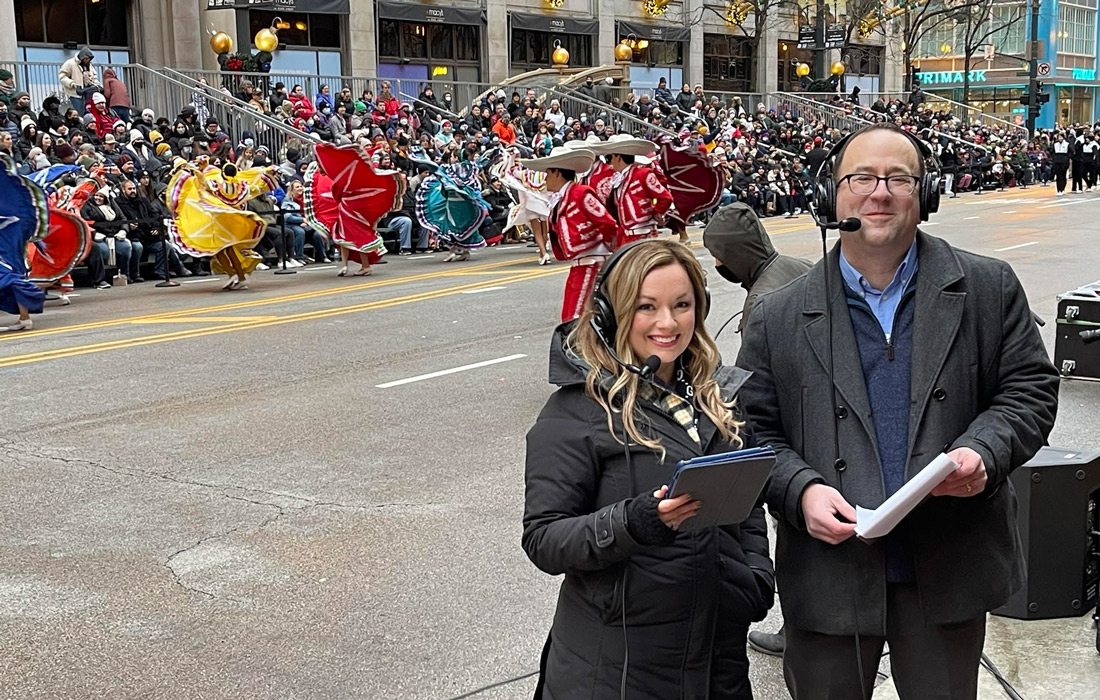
{"x":950,"y":77}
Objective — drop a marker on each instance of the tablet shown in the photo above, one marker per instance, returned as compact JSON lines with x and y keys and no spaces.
{"x":727,"y":485}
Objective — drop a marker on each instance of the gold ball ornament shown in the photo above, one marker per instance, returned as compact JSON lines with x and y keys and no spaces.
{"x":560,"y":57}
{"x":220,"y":43}
{"x":802,"y":70}
{"x":623,"y":52}
{"x":266,"y":40}
{"x":837,"y":69}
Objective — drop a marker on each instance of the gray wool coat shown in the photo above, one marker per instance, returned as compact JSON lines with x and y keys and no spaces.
{"x":981,"y":378}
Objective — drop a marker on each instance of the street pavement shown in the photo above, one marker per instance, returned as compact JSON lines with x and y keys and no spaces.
{"x":313,"y":488}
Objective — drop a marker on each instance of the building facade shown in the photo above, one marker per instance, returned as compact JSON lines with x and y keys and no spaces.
{"x":469,"y":41}
{"x":998,"y":75}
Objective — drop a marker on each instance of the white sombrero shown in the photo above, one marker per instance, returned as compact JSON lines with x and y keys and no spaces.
{"x":578,"y":160}
{"x":590,"y":143}
{"x":625,"y":145}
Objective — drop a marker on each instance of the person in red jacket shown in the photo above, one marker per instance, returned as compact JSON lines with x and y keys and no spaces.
{"x":638,"y":197}
{"x":581,"y":229}
{"x":600,"y":175}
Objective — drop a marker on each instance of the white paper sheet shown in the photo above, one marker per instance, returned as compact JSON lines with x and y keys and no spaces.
{"x":878,"y":522}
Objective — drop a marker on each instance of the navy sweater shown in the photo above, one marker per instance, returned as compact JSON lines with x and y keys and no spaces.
{"x":887,"y":372}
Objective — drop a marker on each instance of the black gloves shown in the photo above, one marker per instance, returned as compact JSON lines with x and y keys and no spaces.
{"x":644,"y":524}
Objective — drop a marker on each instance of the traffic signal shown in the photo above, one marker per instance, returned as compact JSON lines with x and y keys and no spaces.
{"x":1042,"y":97}
{"x":914,"y":76}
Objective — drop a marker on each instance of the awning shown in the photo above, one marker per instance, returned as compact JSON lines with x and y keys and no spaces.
{"x":555,"y":24}
{"x":320,"y":7}
{"x":436,"y":14}
{"x":653,"y":31}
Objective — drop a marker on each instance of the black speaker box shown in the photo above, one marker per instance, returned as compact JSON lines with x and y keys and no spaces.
{"x":1059,"y":493}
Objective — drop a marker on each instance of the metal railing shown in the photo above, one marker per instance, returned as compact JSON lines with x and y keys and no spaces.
{"x":799,"y":105}
{"x":171,"y":92}
{"x":968,"y":114}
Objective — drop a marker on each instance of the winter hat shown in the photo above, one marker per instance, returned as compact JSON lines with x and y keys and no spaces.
{"x":155,"y":137}
{"x":41,"y":162}
{"x":5,"y":74}
{"x":26,"y":121}
{"x":63,"y":150}
{"x":98,"y":98}
{"x":136,"y":136}
{"x":148,"y":114}
{"x":211,"y":121}
{"x":124,"y":159}
{"x":162,"y":148}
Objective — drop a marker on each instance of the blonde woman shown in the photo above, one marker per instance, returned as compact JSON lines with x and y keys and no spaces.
{"x":672,"y":608}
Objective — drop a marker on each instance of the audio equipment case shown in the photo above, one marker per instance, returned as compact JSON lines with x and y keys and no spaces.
{"x":1078,"y":310}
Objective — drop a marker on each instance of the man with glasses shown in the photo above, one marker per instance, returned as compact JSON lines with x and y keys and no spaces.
{"x":894,"y":348}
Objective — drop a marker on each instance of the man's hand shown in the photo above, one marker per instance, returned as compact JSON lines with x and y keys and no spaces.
{"x":969,"y":479}
{"x":829,"y":517}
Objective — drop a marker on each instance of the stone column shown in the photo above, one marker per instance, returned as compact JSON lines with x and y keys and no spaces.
{"x":693,"y":70}
{"x":362,"y":51}
{"x":9,"y":51}
{"x":496,"y":41}
{"x":606,"y":12}
{"x":767,"y":58}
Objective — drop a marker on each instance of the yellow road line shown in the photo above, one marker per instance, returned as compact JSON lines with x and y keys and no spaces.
{"x":204,"y":319}
{"x":299,"y":296}
{"x":60,"y":353}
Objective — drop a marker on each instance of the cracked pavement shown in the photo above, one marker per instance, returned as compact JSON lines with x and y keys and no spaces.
{"x":248,"y":516}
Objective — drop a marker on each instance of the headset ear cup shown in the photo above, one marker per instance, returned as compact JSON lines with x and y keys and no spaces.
{"x":825,"y":198}
{"x":706,"y":301}
{"x":603,"y":318}
{"x":929,"y":195}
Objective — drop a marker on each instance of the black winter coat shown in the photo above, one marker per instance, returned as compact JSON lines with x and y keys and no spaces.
{"x":684,"y":603}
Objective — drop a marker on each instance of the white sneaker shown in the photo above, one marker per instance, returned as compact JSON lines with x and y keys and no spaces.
{"x":797,"y":211}
{"x":20,"y":325}
{"x":262,"y":266}
{"x":1061,"y":194}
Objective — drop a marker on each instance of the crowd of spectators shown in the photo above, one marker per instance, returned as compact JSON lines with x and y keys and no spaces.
{"x":769,"y":155}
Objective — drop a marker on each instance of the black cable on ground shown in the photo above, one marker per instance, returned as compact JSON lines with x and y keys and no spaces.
{"x":1005,"y":685}
{"x":494,"y":685}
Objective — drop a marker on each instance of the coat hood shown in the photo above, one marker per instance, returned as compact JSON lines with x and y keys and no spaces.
{"x":84,"y":53}
{"x":737,"y":238}
{"x":109,"y":73}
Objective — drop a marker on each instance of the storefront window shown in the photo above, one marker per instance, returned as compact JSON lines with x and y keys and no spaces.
{"x":532,"y":49}
{"x":389,"y":38}
{"x":727,"y":63}
{"x":102,"y":23}
{"x":306,"y":29}
{"x":422,"y":51}
{"x":414,"y":40}
{"x":659,"y":53}
{"x":1074,"y":106}
{"x":789,"y":58}
{"x":441,"y":38}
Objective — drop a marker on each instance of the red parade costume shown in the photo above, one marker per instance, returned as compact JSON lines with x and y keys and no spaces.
{"x":581,"y":230}
{"x":600,"y":178}
{"x":640,"y":202}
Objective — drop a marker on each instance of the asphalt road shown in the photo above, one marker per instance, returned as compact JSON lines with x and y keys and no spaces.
{"x":286,"y":491}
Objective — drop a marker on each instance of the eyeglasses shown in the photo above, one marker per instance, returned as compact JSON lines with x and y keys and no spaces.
{"x":864,"y":184}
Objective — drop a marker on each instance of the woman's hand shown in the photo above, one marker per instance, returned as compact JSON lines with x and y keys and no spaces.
{"x":674,"y":511}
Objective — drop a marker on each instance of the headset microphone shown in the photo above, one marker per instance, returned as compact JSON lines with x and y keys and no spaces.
{"x":650,"y":367}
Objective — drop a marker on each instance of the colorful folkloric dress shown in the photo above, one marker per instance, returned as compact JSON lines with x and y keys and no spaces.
{"x":346,"y":196}
{"x":532,"y":198}
{"x":24,"y":216}
{"x":208,"y":215}
{"x":449,"y":204}
{"x":68,"y":238}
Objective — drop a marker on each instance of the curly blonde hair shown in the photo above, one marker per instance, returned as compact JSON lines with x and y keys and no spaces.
{"x":622,"y":288}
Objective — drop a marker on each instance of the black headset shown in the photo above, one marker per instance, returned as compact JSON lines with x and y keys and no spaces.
{"x":603,"y":312}
{"x":825,"y":189}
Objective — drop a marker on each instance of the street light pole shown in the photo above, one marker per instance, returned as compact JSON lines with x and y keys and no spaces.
{"x":821,"y":68}
{"x":1033,"y":70}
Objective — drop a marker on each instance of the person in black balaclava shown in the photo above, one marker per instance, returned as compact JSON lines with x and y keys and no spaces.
{"x":743,"y":254}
